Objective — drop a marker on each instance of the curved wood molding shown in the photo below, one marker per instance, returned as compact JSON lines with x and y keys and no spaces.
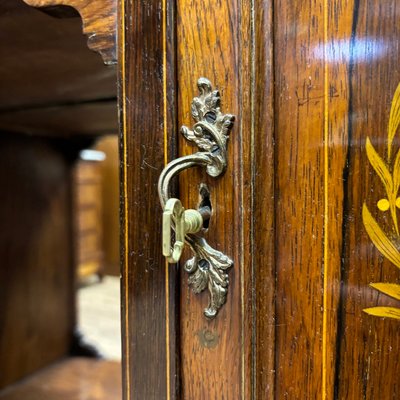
{"x":99,"y":22}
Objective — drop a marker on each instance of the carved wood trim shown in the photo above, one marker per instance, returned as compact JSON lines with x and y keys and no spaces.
{"x":99,"y":23}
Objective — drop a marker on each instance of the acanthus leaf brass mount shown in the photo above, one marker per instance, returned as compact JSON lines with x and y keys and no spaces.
{"x":207,"y":268}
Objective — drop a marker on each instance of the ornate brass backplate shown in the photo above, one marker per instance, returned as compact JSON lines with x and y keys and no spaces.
{"x":207,"y":269}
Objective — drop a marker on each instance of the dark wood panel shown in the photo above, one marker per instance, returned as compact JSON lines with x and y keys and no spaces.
{"x":312,"y":95}
{"x":149,"y":289}
{"x":86,"y":119}
{"x":337,"y":31}
{"x":45,"y":60}
{"x":99,"y":23}
{"x":336,"y":75}
{"x":37,"y":312}
{"x":71,"y":379}
{"x":369,"y":346}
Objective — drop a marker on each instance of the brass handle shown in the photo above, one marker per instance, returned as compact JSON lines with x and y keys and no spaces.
{"x":207,"y":269}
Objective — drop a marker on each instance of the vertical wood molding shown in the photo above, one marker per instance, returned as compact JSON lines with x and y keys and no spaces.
{"x":148,"y":132}
{"x":263,"y":203}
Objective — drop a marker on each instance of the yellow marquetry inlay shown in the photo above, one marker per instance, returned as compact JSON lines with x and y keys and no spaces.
{"x":379,"y":238}
{"x":390,"y":182}
{"x":389,"y":312}
{"x":394,"y":120}
{"x":389,"y":174}
{"x":391,"y":289}
{"x":383,"y":204}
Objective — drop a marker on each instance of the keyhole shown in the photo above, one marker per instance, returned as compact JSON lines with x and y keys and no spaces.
{"x":205,"y":206}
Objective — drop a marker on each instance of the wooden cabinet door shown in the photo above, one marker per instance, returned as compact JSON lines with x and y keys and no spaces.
{"x":307,"y":208}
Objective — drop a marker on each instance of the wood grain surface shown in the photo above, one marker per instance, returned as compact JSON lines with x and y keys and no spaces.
{"x":37,"y":315}
{"x":149,"y":286}
{"x":261,"y":147}
{"x":230,"y":43}
{"x":212,"y":351}
{"x":71,"y":379}
{"x":299,"y":177}
{"x":368,"y":346}
{"x":99,"y":23}
{"x":335,"y":77}
{"x":308,"y":82}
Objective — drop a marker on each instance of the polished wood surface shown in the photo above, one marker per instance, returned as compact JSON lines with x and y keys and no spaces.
{"x":149,"y":287}
{"x":217,"y":357}
{"x":70,"y":379}
{"x":260,"y":149}
{"x":237,"y":57}
{"x":300,"y":219}
{"x":99,"y":23}
{"x":220,"y":369}
{"x":368,"y":345}
{"x":37,"y":315}
{"x":309,"y":82}
{"x":334,"y":82}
